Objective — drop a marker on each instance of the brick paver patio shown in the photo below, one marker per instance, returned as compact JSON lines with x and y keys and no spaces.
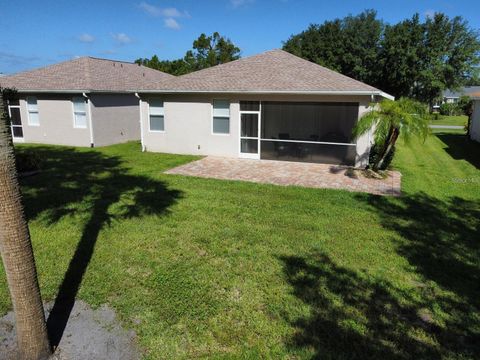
{"x":290,"y":173}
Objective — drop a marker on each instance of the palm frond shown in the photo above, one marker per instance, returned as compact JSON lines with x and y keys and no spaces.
{"x":410,"y":117}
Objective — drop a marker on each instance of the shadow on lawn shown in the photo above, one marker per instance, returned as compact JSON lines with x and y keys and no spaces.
{"x":460,"y":147}
{"x":355,"y":316}
{"x":97,"y":187}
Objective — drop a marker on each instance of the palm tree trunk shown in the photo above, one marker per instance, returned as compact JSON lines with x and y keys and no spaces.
{"x":17,"y":256}
{"x":391,"y":142}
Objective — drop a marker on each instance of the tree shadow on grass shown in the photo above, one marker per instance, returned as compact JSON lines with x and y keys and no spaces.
{"x":94,"y":185}
{"x":460,"y":147}
{"x":440,"y":238}
{"x":355,"y":316}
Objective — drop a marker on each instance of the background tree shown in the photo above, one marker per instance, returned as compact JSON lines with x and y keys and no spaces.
{"x":399,"y":58}
{"x":410,"y":58}
{"x":349,"y":45}
{"x":17,"y":255}
{"x":206,"y":51}
{"x":448,"y":56}
{"x":392,"y":119}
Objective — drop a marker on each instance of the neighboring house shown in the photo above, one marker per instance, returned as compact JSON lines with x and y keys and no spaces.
{"x":82,"y":102}
{"x":269,"y":106}
{"x":451,"y":97}
{"x":475,"y":121}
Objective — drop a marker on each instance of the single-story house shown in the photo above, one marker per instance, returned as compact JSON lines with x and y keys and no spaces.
{"x":452,"y":97}
{"x":475,"y":120}
{"x":269,"y":106}
{"x":82,"y":102}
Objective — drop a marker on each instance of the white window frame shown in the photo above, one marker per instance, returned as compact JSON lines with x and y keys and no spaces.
{"x":32,"y":112}
{"x":229,"y":117}
{"x":149,"y":114}
{"x":258,"y":138}
{"x":75,"y":126}
{"x":10,"y":107}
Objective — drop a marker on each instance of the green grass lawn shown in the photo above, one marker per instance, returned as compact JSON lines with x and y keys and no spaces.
{"x":460,"y":120}
{"x":216,"y":269}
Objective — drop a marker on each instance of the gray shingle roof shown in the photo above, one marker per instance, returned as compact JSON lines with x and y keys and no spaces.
{"x":271,"y":71}
{"x":467,"y":90}
{"x":86,"y":74}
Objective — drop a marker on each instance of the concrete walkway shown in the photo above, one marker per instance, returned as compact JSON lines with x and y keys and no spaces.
{"x":454,"y":127}
{"x":290,"y":173}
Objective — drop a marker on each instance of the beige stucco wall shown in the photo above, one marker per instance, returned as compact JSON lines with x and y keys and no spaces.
{"x":56,"y":121}
{"x":475,"y":124}
{"x":188,"y":123}
{"x":116,"y":118}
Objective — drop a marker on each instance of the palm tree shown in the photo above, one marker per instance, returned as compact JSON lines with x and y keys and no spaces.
{"x":391,"y":119}
{"x":17,"y":256}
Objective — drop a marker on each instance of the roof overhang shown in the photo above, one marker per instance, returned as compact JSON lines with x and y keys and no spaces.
{"x":254,"y":92}
{"x":75,"y":91}
{"x":272,"y":92}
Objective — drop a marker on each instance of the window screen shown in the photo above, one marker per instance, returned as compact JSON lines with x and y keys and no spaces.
{"x":324,"y":122}
{"x":32,"y":108}
{"x":221,"y":117}
{"x":79,"y":112}
{"x":157,"y":115}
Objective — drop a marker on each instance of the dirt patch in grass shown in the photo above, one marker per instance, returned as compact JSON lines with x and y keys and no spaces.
{"x":89,"y":334}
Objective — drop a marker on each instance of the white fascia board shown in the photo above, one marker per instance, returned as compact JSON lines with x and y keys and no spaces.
{"x":39,"y":91}
{"x":79,"y":91}
{"x":267,"y":92}
{"x":386,"y":96}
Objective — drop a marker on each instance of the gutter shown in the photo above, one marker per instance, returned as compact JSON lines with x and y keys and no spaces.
{"x":90,"y":122}
{"x":141,"y":120}
{"x":261,"y":92}
{"x":267,"y":92}
{"x":45,"y":91}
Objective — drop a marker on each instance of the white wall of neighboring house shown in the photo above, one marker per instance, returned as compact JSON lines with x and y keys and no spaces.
{"x":475,"y":123}
{"x":188,"y":123}
{"x":114,"y":119}
{"x":56,"y":121}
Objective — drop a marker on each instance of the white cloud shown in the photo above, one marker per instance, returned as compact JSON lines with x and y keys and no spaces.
{"x":156,"y":11}
{"x":86,"y":38}
{"x":430,"y":13}
{"x":122,"y":38}
{"x":171,"y":12}
{"x":239,"y":3}
{"x":171,"y":23}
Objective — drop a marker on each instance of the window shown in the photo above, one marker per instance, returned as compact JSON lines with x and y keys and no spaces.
{"x":157,"y":115}
{"x":32,"y":108}
{"x":221,"y":117}
{"x":79,"y":113}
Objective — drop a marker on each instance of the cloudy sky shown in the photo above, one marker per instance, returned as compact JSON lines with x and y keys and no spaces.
{"x":38,"y":33}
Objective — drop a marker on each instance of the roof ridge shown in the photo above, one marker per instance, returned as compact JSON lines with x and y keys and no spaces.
{"x":229,"y":62}
{"x":112,"y":60}
{"x":278,"y":51}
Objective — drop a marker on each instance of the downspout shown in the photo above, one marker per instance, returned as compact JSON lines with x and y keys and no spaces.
{"x":141,"y":120}
{"x":89,"y":105}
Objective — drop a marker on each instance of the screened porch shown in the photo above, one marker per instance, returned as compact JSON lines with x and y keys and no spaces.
{"x":318,"y":132}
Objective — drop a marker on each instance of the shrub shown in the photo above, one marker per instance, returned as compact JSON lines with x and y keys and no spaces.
{"x":375,"y":154}
{"x":27,"y":162}
{"x":450,"y":109}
